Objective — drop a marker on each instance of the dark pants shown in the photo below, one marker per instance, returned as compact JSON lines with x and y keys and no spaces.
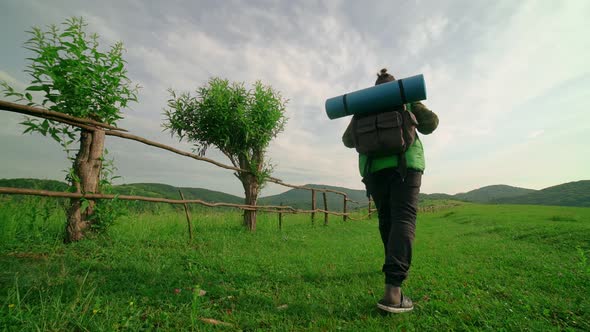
{"x":397,"y":206}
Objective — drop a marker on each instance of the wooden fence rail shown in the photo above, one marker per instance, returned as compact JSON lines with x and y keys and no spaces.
{"x":262,"y":208}
{"x":119,"y":132}
{"x":110,"y":130}
{"x":51,"y":115}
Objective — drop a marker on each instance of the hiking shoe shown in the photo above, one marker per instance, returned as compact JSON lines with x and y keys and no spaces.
{"x":404,"y":306}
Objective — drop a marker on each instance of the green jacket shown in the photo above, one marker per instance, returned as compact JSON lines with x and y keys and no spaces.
{"x":427,"y":123}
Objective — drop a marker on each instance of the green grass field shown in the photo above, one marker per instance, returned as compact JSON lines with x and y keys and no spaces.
{"x":476,"y":267}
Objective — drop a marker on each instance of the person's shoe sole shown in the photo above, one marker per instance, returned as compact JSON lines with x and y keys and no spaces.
{"x":393,"y":310}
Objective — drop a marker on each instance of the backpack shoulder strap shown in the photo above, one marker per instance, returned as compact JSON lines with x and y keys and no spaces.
{"x":402,"y":165}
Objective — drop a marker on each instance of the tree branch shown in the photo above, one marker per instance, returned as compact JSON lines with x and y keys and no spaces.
{"x":55,"y":116}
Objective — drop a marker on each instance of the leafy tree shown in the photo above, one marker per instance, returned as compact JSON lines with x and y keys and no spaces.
{"x":239,"y":122}
{"x":73,"y":76}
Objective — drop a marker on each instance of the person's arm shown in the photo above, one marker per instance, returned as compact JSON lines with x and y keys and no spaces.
{"x":347,"y":137}
{"x":427,"y":119}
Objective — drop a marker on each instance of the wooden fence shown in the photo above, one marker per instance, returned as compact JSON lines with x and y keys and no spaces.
{"x":122,"y":133}
{"x":109,"y":130}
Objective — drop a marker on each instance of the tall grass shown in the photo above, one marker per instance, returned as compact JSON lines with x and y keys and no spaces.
{"x":475,"y":268}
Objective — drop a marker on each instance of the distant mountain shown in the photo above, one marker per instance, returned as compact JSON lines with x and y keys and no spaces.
{"x":490,"y":193}
{"x":436,"y":196}
{"x":51,"y":185}
{"x":137,"y":189}
{"x":295,"y":197}
{"x":167,"y":191}
{"x":567,"y":194}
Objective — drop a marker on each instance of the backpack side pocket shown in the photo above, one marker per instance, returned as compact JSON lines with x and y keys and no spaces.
{"x":365,"y":134}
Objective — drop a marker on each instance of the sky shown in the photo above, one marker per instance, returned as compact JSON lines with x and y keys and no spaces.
{"x":509,"y":81}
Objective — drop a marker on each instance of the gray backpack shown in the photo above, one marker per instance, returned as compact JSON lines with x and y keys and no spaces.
{"x":386,"y":133}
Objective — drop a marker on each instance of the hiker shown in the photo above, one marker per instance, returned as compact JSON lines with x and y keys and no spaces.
{"x":393,"y":181}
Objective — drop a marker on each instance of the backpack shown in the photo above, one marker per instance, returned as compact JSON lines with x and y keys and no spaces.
{"x":385,"y":134}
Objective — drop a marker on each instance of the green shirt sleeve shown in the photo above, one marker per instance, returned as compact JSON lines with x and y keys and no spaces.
{"x":427,"y":119}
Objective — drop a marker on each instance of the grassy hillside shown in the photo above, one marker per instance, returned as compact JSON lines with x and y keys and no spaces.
{"x":476,"y":267}
{"x":567,"y":194}
{"x":139,"y":189}
{"x":167,"y":191}
{"x":490,"y":193}
{"x":39,"y":184}
{"x":435,"y":196}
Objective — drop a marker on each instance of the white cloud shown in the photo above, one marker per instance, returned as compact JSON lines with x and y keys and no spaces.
{"x":423,"y":33}
{"x":535,"y":134}
{"x":481,"y":64}
{"x":16,"y":84}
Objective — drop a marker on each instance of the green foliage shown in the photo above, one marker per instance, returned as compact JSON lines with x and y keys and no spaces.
{"x":31,"y":220}
{"x":227,"y":116}
{"x":239,"y":122}
{"x":583,"y":263}
{"x":106,"y":213}
{"x":74,"y":76}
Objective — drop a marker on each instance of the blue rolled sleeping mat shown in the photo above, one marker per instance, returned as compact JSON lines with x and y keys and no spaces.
{"x":378,"y":98}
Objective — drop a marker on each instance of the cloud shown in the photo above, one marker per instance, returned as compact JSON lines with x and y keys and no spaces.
{"x":185,"y":58}
{"x":425,"y":33}
{"x":535,"y":134}
{"x":15,"y":83}
{"x":489,"y":71}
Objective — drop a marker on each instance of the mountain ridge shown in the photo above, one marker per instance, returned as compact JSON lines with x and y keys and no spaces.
{"x":575,"y":193}
{"x":487,"y":194}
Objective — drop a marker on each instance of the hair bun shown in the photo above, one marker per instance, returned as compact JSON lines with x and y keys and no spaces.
{"x":383,"y":77}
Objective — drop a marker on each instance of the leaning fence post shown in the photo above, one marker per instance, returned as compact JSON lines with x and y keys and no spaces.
{"x":325,"y":209}
{"x":281,"y":217}
{"x":188,"y":217}
{"x":344,"y":216}
{"x":313,"y":206}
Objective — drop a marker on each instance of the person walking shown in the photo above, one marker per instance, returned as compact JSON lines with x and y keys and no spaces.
{"x":393,"y":181}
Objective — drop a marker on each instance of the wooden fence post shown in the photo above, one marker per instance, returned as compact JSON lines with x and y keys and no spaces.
{"x":344,"y":216}
{"x":325,"y":209}
{"x":281,"y":218}
{"x":313,"y":206}
{"x":188,"y":217}
{"x":370,"y":208}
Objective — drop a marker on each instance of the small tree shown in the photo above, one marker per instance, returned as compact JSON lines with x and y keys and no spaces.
{"x":75,"y":78}
{"x":239,"y":122}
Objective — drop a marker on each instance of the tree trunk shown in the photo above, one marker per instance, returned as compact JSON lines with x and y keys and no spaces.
{"x":251,"y":160}
{"x":87,"y":167}
{"x":251,"y":190}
